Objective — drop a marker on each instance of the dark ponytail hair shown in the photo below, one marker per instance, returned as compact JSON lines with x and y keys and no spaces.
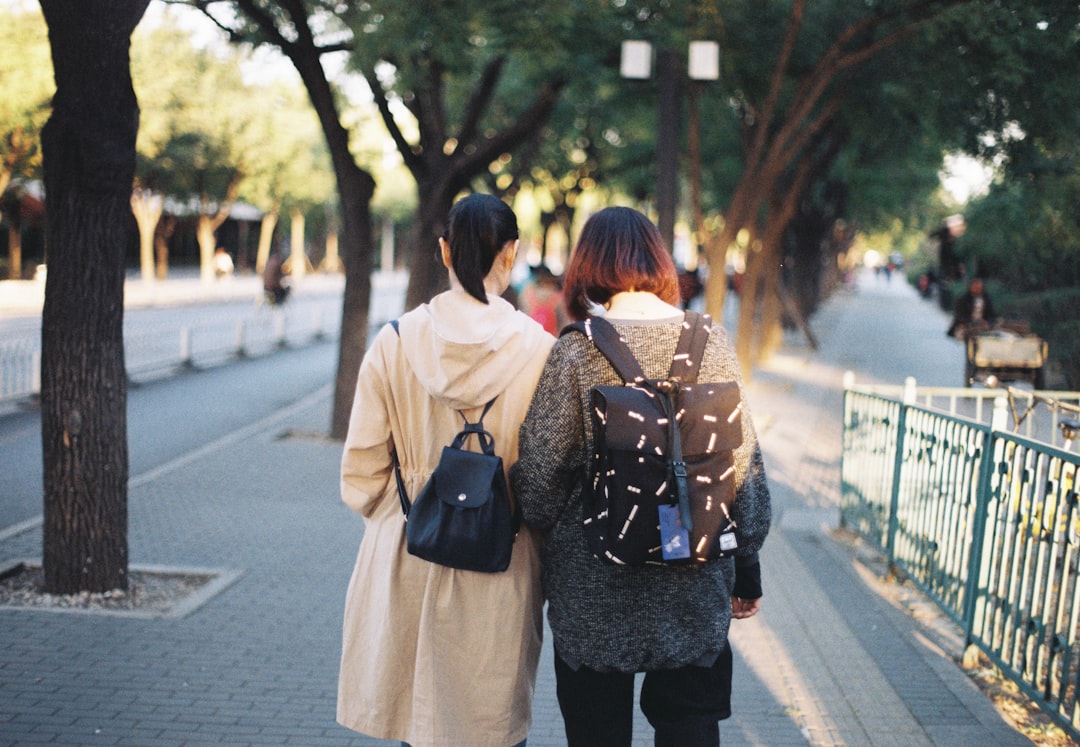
{"x":477,"y":229}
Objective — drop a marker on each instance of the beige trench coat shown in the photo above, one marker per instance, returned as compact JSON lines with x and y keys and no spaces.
{"x":431,"y":655}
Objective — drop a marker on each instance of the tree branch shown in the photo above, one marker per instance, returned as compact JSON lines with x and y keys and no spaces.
{"x":412,"y":162}
{"x":480,"y":99}
{"x":776,"y":84}
{"x":427,"y":107}
{"x":508,"y":138}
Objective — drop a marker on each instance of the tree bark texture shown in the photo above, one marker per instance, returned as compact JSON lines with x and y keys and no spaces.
{"x":286,"y":26}
{"x":356,"y":187}
{"x":147,"y":208}
{"x":358,"y":246}
{"x":441,"y":173}
{"x":88,"y":148}
{"x":784,"y":125}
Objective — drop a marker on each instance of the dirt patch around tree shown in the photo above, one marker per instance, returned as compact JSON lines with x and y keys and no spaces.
{"x":153,"y":591}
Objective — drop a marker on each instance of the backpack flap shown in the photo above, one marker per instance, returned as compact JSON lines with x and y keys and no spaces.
{"x":663,"y":458}
{"x":716,"y":420}
{"x":633,"y":418}
{"x":464,"y":478}
{"x":633,"y":422}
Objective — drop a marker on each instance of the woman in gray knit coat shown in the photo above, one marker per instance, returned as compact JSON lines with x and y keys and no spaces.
{"x":611,"y":621}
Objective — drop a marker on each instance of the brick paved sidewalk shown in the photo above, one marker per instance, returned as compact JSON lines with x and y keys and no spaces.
{"x":833,"y":659}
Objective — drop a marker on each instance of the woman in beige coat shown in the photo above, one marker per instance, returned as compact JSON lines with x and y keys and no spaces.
{"x":434,"y":656}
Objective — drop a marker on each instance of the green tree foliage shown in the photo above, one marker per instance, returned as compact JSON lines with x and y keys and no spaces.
{"x":198,"y":138}
{"x":306,"y":32}
{"x":288,"y":166}
{"x":796,"y":75}
{"x":26,"y":72}
{"x":1015,"y":95}
{"x":26,"y":75}
{"x":465,"y":88}
{"x":211,"y":136}
{"x":1022,"y":112}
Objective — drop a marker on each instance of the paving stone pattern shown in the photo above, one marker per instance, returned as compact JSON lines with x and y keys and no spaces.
{"x":831,"y":660}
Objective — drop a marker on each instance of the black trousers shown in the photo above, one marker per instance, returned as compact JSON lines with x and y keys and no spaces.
{"x":683,"y":705}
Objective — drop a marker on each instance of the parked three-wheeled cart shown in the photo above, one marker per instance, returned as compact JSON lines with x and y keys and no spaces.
{"x":1009,"y":352}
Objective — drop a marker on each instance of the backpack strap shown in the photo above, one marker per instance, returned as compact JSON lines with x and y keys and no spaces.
{"x":607,"y":340}
{"x":403,"y":496}
{"x":487,"y":443}
{"x":691,"y":347}
{"x":689,"y":351}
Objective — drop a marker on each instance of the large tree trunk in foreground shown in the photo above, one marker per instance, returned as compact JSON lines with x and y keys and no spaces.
{"x":88,"y":147}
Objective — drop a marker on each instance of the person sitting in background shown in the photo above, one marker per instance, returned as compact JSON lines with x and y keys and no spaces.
{"x":223,"y":264}
{"x":274,"y":280}
{"x":973,"y":312}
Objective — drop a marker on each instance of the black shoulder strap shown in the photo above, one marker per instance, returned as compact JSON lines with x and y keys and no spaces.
{"x":403,"y":496}
{"x":607,"y":340}
{"x":487,"y":443}
{"x":688,"y":352}
{"x":691,"y":347}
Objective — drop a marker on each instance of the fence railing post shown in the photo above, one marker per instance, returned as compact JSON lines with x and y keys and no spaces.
{"x":977,"y":572}
{"x":911,"y":390}
{"x":848,"y":384}
{"x":186,"y":359}
{"x":894,"y":498}
{"x":279,"y":329}
{"x":241,"y":351}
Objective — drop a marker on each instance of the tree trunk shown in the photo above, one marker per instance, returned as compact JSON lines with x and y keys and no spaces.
{"x":205,"y":237}
{"x":355,"y":186}
{"x":164,"y":231}
{"x":88,"y":148}
{"x":668,"y":138}
{"x":749,"y":295}
{"x":266,"y":238}
{"x":332,"y":260}
{"x":426,"y":273}
{"x":15,"y":248}
{"x":357,"y":240}
{"x":298,"y":261}
{"x":147,"y":208}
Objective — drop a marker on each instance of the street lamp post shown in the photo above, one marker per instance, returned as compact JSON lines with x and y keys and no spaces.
{"x":636,"y":63}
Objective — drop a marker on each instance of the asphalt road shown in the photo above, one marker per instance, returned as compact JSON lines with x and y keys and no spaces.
{"x":171,"y":417}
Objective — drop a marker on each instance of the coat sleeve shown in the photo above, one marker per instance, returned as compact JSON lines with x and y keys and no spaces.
{"x":366,"y":465}
{"x":551,"y":456}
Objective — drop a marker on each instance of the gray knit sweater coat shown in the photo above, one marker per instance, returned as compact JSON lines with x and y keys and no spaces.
{"x":623,"y":618}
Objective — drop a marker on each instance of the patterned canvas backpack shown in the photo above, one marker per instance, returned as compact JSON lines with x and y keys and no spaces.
{"x":661,"y":480}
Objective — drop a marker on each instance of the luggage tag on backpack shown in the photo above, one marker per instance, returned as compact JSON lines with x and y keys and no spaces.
{"x":674,"y":539}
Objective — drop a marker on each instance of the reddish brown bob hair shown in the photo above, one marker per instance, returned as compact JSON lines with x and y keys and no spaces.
{"x":619,"y":250}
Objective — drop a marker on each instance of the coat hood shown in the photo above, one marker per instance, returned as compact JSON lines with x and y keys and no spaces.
{"x":465,"y":352}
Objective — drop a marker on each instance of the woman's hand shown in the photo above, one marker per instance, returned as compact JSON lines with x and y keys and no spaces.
{"x":742,"y":609}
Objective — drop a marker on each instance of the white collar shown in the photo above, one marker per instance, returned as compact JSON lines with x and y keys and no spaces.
{"x":639,"y":305}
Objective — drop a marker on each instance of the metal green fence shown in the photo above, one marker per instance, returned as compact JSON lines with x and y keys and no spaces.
{"x":986,"y":522}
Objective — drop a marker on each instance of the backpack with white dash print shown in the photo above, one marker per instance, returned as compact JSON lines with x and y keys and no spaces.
{"x":661,"y":480}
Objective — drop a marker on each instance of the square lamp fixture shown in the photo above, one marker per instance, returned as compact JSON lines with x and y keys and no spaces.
{"x":704,"y":60}
{"x":636,"y":60}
